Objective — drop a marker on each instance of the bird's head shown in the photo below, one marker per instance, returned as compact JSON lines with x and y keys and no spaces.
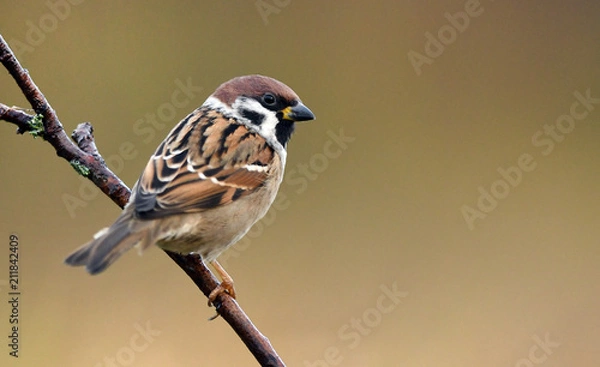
{"x":264,"y":104}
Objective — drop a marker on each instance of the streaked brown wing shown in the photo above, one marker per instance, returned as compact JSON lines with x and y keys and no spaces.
{"x":205,"y":162}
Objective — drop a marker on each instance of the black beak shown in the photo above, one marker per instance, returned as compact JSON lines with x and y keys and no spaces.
{"x":298,"y":113}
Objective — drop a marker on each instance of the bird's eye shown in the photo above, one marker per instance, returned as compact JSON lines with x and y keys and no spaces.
{"x":269,"y":99}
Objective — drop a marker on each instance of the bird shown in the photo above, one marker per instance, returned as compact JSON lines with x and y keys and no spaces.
{"x":214,"y":176}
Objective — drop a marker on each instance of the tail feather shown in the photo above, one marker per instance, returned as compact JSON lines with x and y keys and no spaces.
{"x":107,"y":247}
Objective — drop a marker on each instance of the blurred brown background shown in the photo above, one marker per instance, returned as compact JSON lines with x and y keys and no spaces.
{"x":368,"y":260}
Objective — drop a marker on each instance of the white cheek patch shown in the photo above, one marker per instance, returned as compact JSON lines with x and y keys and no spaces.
{"x":267,"y":128}
{"x":215,"y":104}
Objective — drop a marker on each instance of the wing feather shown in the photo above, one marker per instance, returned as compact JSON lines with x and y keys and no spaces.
{"x":207,"y":161}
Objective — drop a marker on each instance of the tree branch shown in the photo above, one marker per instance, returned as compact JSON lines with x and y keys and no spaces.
{"x":17,"y":117}
{"x":84,"y":137}
{"x":87,"y":161}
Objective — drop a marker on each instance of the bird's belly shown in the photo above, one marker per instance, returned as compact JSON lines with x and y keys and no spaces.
{"x":212,"y":232}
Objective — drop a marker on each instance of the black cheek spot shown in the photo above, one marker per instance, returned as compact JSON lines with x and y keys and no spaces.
{"x":255,"y":117}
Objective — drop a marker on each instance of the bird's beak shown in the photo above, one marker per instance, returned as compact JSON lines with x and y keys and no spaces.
{"x":298,"y":113}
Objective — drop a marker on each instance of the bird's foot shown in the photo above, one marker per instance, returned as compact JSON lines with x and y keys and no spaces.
{"x":226,"y":286}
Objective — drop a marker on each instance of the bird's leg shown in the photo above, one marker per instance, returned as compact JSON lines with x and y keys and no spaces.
{"x":226,"y":284}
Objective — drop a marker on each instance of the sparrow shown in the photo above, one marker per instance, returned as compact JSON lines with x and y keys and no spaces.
{"x":215,"y":175}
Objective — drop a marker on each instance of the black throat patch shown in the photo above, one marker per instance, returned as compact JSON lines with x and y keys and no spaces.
{"x":284,"y":130}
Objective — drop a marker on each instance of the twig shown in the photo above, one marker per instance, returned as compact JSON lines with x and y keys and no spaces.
{"x":17,"y":117}
{"x":84,"y":137}
{"x":85,"y":158}
{"x":54,"y":132}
